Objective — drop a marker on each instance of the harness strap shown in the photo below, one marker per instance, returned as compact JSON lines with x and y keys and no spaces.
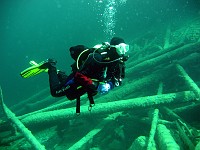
{"x":91,"y":99}
{"x":78,"y":103}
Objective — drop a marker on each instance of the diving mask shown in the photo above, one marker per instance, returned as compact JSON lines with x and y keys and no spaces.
{"x":121,"y":48}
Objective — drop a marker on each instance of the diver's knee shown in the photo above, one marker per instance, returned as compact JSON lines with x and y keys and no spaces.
{"x":53,"y":94}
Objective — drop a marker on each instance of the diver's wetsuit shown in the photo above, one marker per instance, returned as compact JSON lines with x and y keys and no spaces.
{"x":63,"y":85}
{"x":58,"y":85}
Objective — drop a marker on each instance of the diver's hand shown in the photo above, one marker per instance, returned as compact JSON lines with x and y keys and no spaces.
{"x":104,"y":88}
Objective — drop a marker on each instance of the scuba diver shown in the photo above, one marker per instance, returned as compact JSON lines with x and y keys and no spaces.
{"x":95,"y":70}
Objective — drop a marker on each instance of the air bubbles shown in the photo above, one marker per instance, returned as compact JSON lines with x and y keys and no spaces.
{"x":109,"y":15}
{"x":110,"y":8}
{"x":122,"y":1}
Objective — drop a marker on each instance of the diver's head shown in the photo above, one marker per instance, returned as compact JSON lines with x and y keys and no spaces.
{"x":116,"y":41}
{"x":118,"y":47}
{"x":76,"y":50}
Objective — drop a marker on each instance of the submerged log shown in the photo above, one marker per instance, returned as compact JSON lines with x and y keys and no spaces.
{"x":89,"y":136}
{"x":150,"y":145}
{"x":10,"y":139}
{"x":112,"y":96}
{"x":167,"y":37}
{"x":165,"y":139}
{"x":170,"y":114}
{"x":139,"y":143}
{"x":190,"y":83}
{"x":190,"y":60}
{"x":53,"y":117}
{"x":197,"y":146}
{"x":193,"y":106}
{"x":25,"y":132}
{"x":135,"y":85}
{"x":184,"y":137}
{"x":156,"y":54}
{"x":50,"y":108}
{"x":34,"y":106}
{"x":31,"y":99}
{"x":166,"y":58}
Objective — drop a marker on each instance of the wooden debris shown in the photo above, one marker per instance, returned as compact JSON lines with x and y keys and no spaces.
{"x":191,"y":106}
{"x":50,"y":108}
{"x":150,"y":145}
{"x":178,"y":121}
{"x":34,"y":106}
{"x":165,"y":139}
{"x":184,"y":137}
{"x":197,"y":146}
{"x":53,"y":117}
{"x":160,"y":121}
{"x":160,"y":88}
{"x":10,"y":139}
{"x":133,"y":86}
{"x":167,"y":38}
{"x":190,"y":83}
{"x":89,"y":136}
{"x":139,"y":143}
{"x":26,"y":133}
{"x":159,"y":64}
{"x":171,"y":115}
{"x":31,"y":99}
{"x":156,"y":54}
{"x":165,"y":58}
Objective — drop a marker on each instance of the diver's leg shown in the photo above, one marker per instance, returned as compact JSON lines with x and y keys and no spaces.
{"x":55,"y":85}
{"x":62,"y":77}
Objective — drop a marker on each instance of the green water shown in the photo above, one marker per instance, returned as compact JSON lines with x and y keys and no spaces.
{"x":41,"y":29}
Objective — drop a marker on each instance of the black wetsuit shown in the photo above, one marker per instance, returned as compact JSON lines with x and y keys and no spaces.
{"x":63,"y":85}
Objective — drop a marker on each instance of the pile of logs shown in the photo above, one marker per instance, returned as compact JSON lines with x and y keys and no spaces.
{"x":147,"y":112}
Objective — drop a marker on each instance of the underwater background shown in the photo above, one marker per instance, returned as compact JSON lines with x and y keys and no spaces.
{"x":41,"y":29}
{"x":156,"y":108}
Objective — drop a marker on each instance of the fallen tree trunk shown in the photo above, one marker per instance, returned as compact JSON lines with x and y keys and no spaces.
{"x":135,"y":85}
{"x":53,"y":117}
{"x":188,"y":107}
{"x":10,"y":139}
{"x":190,"y":60}
{"x":20,"y":126}
{"x":189,"y":82}
{"x":184,"y":137}
{"x":154,"y":124}
{"x":31,"y":99}
{"x":167,"y":37}
{"x":165,"y":139}
{"x":39,"y":104}
{"x":117,"y":94}
{"x":165,"y":58}
{"x":89,"y":136}
{"x":156,"y":54}
{"x":50,"y":108}
{"x":198,"y":144}
{"x":139,"y":143}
